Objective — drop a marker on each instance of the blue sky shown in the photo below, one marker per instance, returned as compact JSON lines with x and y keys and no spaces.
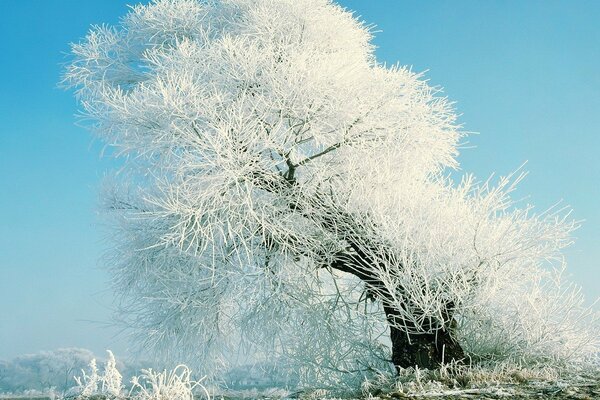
{"x":524,"y":74}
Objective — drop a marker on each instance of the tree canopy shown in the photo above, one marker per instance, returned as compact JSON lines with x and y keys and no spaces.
{"x":284,"y":193}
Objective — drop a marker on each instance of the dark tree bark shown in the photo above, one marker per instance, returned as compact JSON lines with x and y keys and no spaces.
{"x":424,"y":350}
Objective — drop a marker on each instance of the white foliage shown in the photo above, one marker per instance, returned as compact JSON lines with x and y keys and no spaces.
{"x":43,"y":371}
{"x":166,"y":385}
{"x":107,"y":383}
{"x":89,"y":384}
{"x":262,"y":140}
{"x":176,"y":384}
{"x":112,"y":377}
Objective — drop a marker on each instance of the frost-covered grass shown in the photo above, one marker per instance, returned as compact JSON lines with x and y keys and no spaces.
{"x":176,"y":384}
{"x":492,"y":381}
{"x":452,"y":381}
{"x":486,"y":381}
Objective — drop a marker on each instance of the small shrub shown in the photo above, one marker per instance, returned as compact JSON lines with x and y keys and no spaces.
{"x":166,"y":385}
{"x":176,"y":384}
{"x":107,"y":385}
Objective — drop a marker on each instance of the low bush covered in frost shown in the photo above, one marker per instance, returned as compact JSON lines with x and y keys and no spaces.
{"x":176,"y":384}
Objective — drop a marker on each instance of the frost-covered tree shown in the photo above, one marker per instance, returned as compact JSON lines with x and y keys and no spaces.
{"x":283,"y":190}
{"x":43,"y":371}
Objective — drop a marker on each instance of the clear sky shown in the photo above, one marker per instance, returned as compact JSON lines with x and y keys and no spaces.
{"x":524,"y":74}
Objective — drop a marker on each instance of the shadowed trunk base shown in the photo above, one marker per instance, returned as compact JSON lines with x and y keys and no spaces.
{"x":427,"y":350}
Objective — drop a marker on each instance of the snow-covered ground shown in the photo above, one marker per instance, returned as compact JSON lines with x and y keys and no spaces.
{"x":52,"y":375}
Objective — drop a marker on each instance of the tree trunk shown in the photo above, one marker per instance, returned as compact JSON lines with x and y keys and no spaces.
{"x":426,"y":350}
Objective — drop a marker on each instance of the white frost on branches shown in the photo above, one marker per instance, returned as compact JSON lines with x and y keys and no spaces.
{"x":261,"y":140}
{"x":166,"y":385}
{"x":107,"y":384}
{"x":175,"y":384}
